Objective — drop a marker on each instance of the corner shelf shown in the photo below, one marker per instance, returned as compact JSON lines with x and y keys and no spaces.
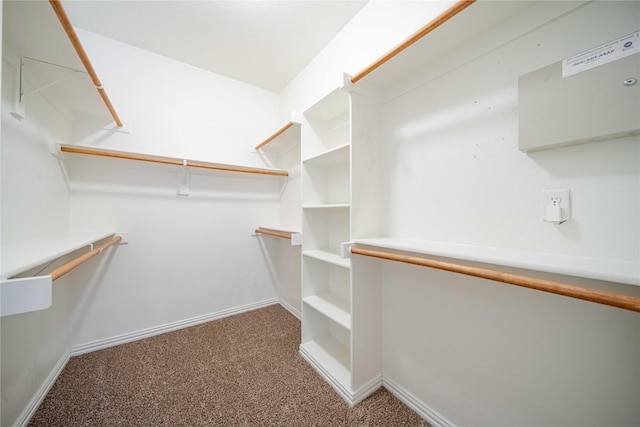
{"x":40,"y":32}
{"x":285,"y":138}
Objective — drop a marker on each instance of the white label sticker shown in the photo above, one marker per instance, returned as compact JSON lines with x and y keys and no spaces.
{"x":608,"y":52}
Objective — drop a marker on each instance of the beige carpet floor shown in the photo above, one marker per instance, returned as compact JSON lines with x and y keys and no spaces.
{"x":243,"y":370}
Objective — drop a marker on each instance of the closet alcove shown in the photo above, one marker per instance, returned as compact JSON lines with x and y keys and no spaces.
{"x":412,"y":162}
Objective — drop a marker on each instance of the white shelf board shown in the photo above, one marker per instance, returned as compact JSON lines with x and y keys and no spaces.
{"x":22,"y":256}
{"x":328,"y":206}
{"x":330,"y":106}
{"x":332,"y":306}
{"x":331,"y":356}
{"x":610,"y":270}
{"x":284,"y":142}
{"x":335,"y":155}
{"x":475,"y":22}
{"x":330,"y":257}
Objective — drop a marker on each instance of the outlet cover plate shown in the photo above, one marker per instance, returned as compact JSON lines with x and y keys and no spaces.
{"x":565,"y":202}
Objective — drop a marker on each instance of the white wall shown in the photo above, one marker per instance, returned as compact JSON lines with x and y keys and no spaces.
{"x":34,"y":203}
{"x":189,"y":256}
{"x":485,"y":353}
{"x":175,"y":109}
{"x":376,"y":29}
{"x":452,"y":155}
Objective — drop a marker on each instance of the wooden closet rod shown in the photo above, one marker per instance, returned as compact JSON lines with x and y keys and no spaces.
{"x":608,"y":298}
{"x":275,"y":135}
{"x":441,"y":19}
{"x":61,"y":271}
{"x":75,"y":41}
{"x":275,"y":233}
{"x":169,"y":160}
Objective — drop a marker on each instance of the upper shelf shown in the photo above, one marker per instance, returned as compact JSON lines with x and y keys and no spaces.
{"x":35,"y":31}
{"x":465,"y":22}
{"x":339,"y":154}
{"x":170,"y":160}
{"x":20,"y":257}
{"x":627,"y":272}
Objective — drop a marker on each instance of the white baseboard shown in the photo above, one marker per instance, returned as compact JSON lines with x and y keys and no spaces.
{"x":37,"y":398}
{"x":367,"y":390}
{"x":351,"y":397}
{"x":434,"y":418}
{"x":291,"y":309}
{"x":169,"y":327}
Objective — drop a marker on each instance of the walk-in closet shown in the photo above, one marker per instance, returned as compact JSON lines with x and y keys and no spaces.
{"x":440,"y":208}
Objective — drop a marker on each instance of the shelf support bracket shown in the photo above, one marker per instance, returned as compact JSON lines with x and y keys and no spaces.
{"x":73,"y":73}
{"x":345,"y":250}
{"x":183,"y":190}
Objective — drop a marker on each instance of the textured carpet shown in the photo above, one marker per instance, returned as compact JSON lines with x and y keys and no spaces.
{"x":243,"y":370}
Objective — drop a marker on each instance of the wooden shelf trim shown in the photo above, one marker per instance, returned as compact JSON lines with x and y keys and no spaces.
{"x":438,"y":21}
{"x":169,"y":160}
{"x":282,"y":130}
{"x":61,"y":271}
{"x":75,"y":41}
{"x":607,"y":298}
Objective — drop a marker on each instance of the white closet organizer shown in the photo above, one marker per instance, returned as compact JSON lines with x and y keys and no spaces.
{"x":332,"y":326}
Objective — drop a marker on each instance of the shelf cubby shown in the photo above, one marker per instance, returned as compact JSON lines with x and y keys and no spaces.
{"x":326,"y":288}
{"x":327,"y":344}
{"x":326,"y":124}
{"x":325,"y":228}
{"x":327,"y":177}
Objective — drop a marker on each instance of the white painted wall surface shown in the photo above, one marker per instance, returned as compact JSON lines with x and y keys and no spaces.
{"x":375,"y":30}
{"x":189,"y":256}
{"x":288,"y":259}
{"x":175,"y":109}
{"x":484,"y":353}
{"x":455,"y":173}
{"x":34,"y":203}
{"x":192,"y":255}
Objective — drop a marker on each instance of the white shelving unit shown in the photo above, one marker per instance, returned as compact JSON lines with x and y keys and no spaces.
{"x":335,"y":340}
{"x":326,"y":196}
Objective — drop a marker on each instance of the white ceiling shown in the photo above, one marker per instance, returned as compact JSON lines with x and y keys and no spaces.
{"x":264,"y":43}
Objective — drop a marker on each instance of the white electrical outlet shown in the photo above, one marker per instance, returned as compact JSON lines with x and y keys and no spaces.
{"x":556,"y":205}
